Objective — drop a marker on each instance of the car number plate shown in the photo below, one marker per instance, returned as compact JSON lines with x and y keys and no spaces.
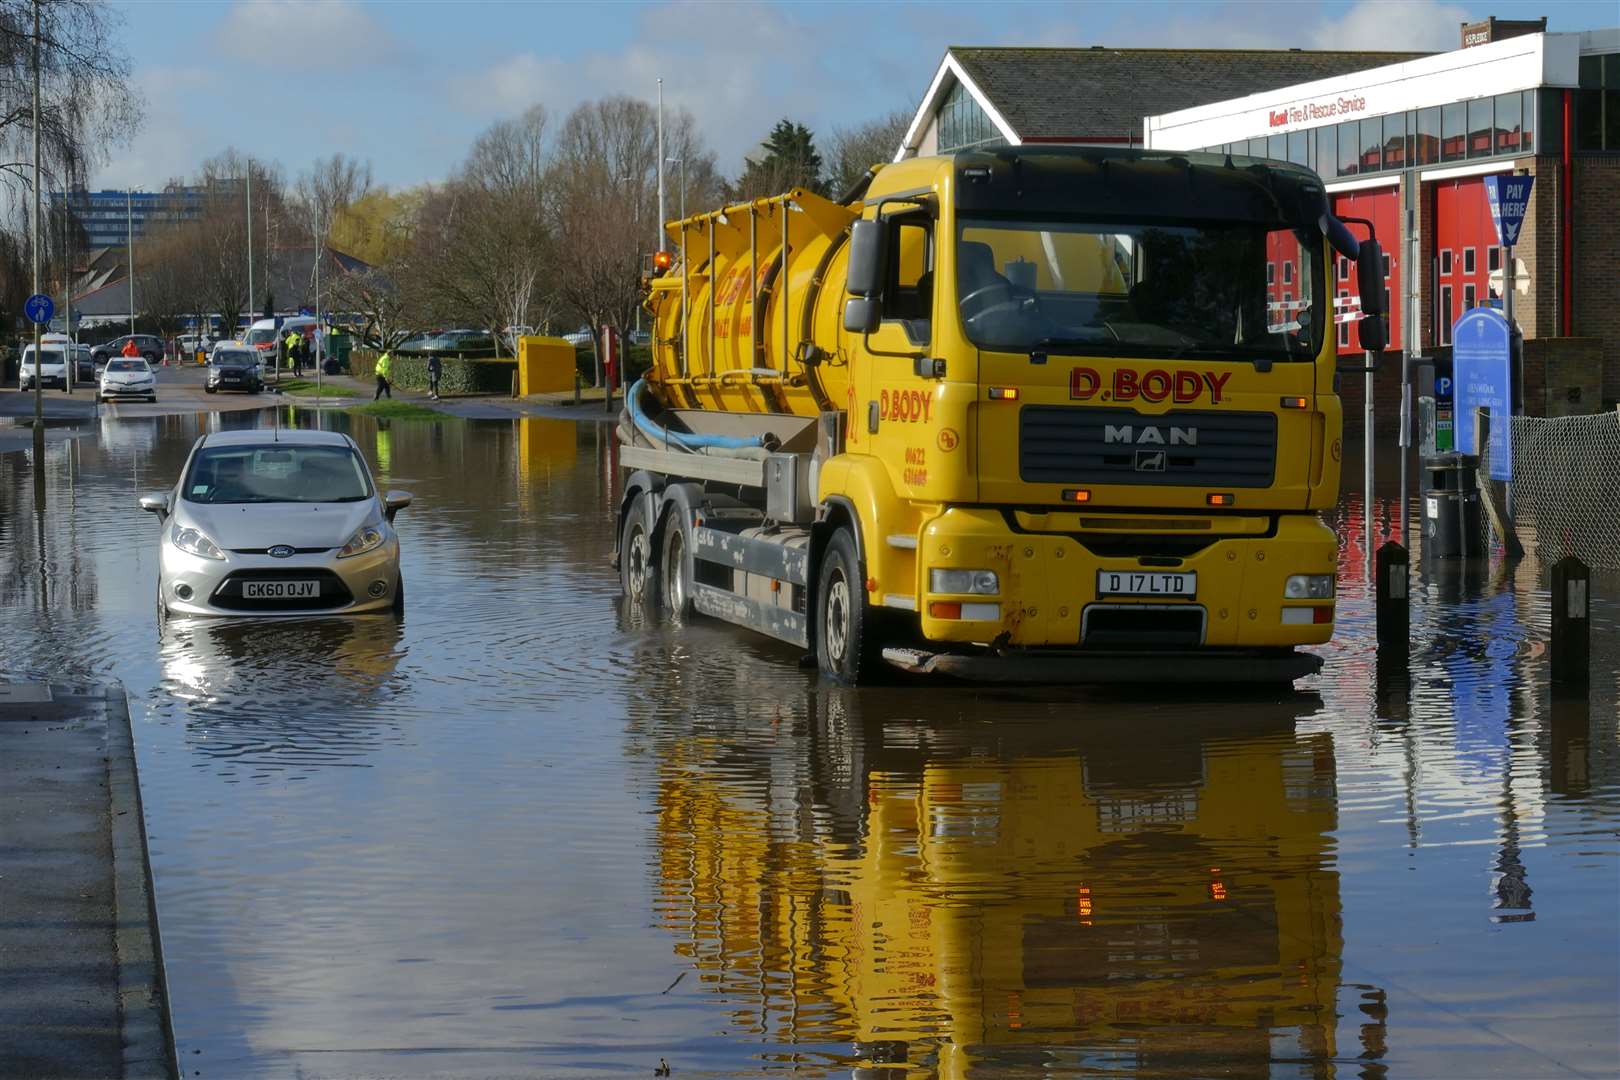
{"x":280,"y":590}
{"x":1146,"y":583}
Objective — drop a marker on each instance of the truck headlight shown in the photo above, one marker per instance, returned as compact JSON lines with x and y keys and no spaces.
{"x":195,"y":542}
{"x":978,"y":582}
{"x":365,"y":538}
{"x":1309,"y":587}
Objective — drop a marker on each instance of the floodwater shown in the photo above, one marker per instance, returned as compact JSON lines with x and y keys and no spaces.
{"x":523,"y":832}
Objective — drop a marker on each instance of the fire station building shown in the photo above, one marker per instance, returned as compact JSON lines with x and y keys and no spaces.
{"x":1408,"y":146}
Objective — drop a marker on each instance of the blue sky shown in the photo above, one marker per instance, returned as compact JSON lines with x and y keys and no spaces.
{"x":407,"y":84}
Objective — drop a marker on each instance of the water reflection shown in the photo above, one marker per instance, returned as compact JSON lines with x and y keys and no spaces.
{"x":983,"y":898}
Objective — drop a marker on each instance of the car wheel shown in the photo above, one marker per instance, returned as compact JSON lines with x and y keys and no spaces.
{"x":210,"y":389}
{"x":150,"y":358}
{"x":846,"y":647}
{"x":638,"y":567}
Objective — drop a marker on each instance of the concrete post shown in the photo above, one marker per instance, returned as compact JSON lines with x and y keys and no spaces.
{"x":1571,"y":647}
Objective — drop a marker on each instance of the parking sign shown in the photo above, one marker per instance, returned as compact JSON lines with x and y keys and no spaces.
{"x":1508,"y":195}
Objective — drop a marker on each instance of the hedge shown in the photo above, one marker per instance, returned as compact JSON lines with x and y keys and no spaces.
{"x":455,"y":376}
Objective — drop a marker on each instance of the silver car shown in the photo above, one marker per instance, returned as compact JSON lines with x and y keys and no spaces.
{"x":127,"y":377}
{"x":277,"y":523}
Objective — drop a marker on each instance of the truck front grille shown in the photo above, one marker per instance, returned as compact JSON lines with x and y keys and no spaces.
{"x":1061,"y":444}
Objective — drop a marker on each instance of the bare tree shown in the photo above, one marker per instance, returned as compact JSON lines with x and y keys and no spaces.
{"x":323,"y":192}
{"x":852,"y":152}
{"x":384,"y":298}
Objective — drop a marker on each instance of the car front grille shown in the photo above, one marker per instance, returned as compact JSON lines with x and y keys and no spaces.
{"x":1060,"y":444}
{"x":333,"y":594}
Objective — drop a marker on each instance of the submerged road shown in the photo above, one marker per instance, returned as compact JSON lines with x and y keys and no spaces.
{"x":525,"y":831}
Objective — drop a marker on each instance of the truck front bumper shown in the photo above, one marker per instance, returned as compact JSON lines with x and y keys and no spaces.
{"x":1074,"y":666}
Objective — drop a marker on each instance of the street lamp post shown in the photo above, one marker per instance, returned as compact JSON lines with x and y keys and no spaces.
{"x":129,"y":237}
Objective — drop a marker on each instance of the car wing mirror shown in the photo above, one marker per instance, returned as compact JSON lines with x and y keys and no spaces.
{"x":155,"y":504}
{"x":394,"y":502}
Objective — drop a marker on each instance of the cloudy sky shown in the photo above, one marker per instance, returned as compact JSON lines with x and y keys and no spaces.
{"x":407,"y":84}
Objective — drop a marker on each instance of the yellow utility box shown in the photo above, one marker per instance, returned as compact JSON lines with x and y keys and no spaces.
{"x":545,"y":365}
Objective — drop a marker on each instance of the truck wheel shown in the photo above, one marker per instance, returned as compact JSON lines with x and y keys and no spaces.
{"x":675,"y":568}
{"x":843,"y":617}
{"x":638,"y":566}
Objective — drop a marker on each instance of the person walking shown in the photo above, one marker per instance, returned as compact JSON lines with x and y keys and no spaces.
{"x":385,"y":368}
{"x":435,"y":365}
{"x":294,"y":354}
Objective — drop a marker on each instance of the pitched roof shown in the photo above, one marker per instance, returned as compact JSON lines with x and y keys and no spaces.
{"x":1103,"y":93}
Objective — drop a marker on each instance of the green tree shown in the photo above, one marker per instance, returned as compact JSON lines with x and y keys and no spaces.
{"x":788,"y":159}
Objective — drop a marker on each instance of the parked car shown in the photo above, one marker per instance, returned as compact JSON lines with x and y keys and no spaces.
{"x":234,"y":367}
{"x":126,"y":377}
{"x":189,"y":344}
{"x":84,"y":369}
{"x":151,"y":348}
{"x":51,"y":369}
{"x":283,"y":523}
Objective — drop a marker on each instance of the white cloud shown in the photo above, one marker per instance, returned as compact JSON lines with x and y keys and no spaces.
{"x":1406,"y":25}
{"x":170,"y":142}
{"x":305,"y":34}
{"x":1374,"y":25}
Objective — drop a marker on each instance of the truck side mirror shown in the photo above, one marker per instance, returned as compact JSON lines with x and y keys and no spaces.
{"x":1370,"y":277}
{"x":861,"y":314}
{"x":1374,"y":332}
{"x":864,"y":276}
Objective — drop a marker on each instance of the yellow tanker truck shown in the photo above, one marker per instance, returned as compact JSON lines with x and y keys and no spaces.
{"x":1045,"y":414}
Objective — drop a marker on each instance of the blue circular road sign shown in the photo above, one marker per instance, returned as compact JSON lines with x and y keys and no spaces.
{"x":39,"y":308}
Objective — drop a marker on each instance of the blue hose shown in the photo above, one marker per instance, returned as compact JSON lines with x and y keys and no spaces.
{"x":685,"y":440}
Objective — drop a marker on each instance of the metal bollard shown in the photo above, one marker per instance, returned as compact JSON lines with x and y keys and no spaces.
{"x":1571,"y":624}
{"x":577,"y":398}
{"x":1393,"y":603}
{"x":607,"y":396}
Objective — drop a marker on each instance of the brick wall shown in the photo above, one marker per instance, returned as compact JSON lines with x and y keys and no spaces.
{"x":1563,"y":376}
{"x":1596,"y":245}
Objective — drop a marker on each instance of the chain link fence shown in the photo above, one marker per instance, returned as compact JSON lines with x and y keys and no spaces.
{"x":1566,"y":488}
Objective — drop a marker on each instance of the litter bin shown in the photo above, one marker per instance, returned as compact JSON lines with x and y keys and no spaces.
{"x":338,"y":347}
{"x":1451,"y":511}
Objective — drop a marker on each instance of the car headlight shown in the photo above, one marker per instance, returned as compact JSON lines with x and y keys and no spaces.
{"x":194,"y":541}
{"x":981,"y":582}
{"x":366,"y":538}
{"x":1309,"y":587}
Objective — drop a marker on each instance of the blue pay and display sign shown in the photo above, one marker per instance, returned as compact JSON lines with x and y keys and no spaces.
{"x":1482,"y":368}
{"x":1508,"y":195}
{"x":39,"y":308}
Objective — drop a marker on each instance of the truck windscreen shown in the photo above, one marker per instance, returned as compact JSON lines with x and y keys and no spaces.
{"x":1221,"y":290}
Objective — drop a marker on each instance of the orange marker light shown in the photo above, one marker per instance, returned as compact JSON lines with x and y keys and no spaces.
{"x":1219,"y":500}
{"x":944,"y":609}
{"x":1295,"y":403}
{"x":1004,"y":393}
{"x":663,"y":260}
{"x":1079,"y":495}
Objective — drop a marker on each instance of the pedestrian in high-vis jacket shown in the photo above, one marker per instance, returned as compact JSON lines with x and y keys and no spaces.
{"x":385,"y":368}
{"x":295,"y":355}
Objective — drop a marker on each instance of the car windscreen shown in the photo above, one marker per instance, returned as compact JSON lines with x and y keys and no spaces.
{"x":261,"y":337}
{"x":1219,"y":289}
{"x":276,"y":474}
{"x":127,"y":365}
{"x":235,"y":358}
{"x":47,"y":356}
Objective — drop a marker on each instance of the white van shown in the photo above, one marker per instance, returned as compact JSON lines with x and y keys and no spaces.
{"x":264,"y":334}
{"x":52,"y":366}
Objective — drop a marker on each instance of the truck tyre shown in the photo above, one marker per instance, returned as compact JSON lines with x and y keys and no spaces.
{"x":675,"y":572}
{"x":638,"y":563}
{"x":843,"y":617}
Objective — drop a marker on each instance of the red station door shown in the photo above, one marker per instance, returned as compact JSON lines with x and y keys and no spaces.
{"x":1381,"y":206}
{"x":1465,"y":250}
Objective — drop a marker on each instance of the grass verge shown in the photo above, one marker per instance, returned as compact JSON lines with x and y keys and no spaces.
{"x":308,"y":388}
{"x":397,"y":410}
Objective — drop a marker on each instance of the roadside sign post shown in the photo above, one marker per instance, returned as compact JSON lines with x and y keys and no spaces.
{"x":39,"y":308}
{"x":1509,"y":197}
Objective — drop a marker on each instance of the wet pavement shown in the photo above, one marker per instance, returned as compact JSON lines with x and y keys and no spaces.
{"x":525,"y":832}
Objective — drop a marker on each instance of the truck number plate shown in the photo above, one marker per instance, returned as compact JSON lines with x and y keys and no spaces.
{"x":280,"y":590}
{"x":1146,"y":583}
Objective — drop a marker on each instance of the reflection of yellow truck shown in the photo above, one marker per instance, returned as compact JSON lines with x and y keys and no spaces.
{"x":997,"y":907}
{"x":1015,"y":414}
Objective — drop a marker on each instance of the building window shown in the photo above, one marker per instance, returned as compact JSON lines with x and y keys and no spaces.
{"x":1453,"y":131}
{"x":1445,"y":315}
{"x":1349,"y":142}
{"x":1480,"y":142}
{"x":1395,"y":141}
{"x":1445,"y":260}
{"x":1426,"y":146}
{"x":1344,"y":268}
{"x":1327,"y":160}
{"x":1288,"y":272}
{"x":1277,"y":147}
{"x":1387,"y":308}
{"x":1469,"y":265}
{"x":1493,"y":259}
{"x":1386,"y":265}
{"x":1597,"y":103}
{"x":1299,"y":151}
{"x":1344,"y":327}
{"x":1468,"y":297}
{"x":1527,"y":115}
{"x":1509,"y":123}
{"x":1271,"y":273}
{"x":963,"y":123}
{"x":1372,"y":144}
